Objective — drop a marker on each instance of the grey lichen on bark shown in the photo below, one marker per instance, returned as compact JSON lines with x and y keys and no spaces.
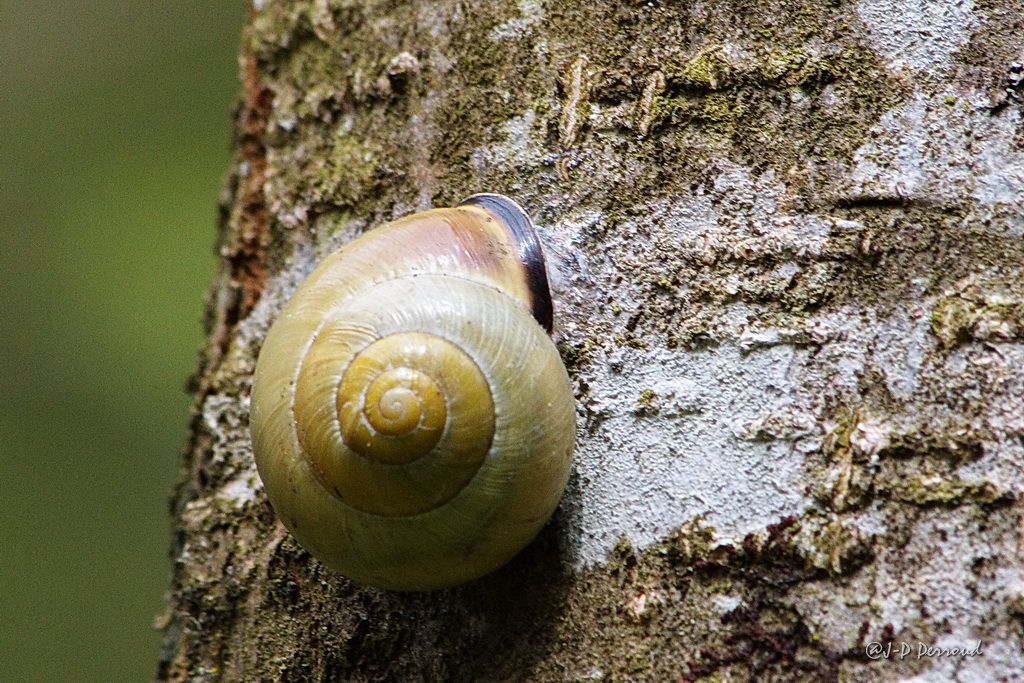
{"x":789,"y":290}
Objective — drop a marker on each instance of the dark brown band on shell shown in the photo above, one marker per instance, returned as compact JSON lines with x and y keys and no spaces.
{"x":531,"y":255}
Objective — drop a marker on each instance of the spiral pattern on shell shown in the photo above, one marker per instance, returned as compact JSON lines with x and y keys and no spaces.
{"x":412,"y":422}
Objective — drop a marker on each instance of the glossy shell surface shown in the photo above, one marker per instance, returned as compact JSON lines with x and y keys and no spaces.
{"x":412,"y":421}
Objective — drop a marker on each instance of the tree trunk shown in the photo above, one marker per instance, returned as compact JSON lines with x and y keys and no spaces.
{"x":790,"y":295}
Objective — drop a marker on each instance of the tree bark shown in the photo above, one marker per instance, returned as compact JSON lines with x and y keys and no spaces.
{"x":789,"y":292}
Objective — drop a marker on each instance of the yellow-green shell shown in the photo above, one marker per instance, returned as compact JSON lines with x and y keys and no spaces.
{"x":464,"y":449}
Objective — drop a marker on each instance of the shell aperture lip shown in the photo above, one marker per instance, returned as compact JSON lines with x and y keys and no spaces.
{"x":531,"y":255}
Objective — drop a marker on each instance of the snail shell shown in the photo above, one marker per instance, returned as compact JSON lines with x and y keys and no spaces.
{"x":412,"y":422}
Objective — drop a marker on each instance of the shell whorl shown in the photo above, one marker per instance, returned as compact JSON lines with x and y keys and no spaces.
{"x":412,"y":422}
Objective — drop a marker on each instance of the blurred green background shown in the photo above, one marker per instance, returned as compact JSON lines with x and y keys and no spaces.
{"x":114,"y":119}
